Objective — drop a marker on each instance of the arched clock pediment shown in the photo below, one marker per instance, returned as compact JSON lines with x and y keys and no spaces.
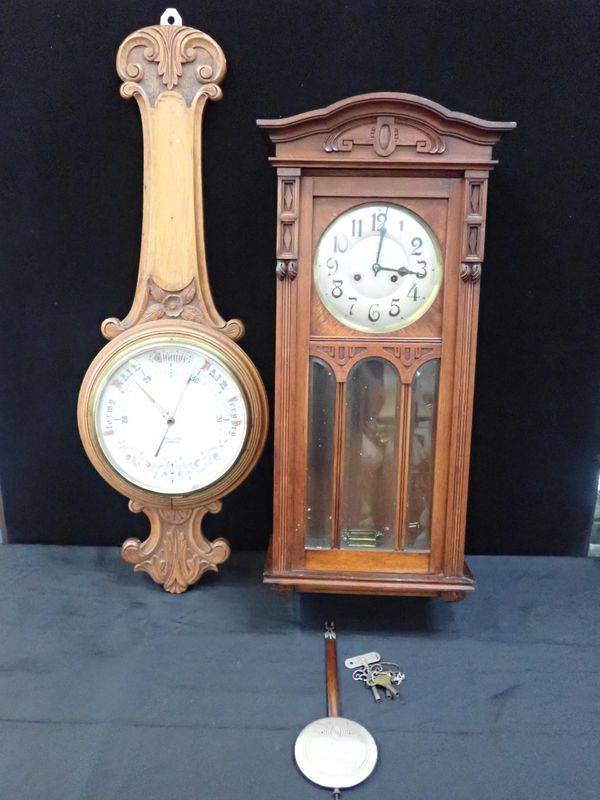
{"x":384,"y":126}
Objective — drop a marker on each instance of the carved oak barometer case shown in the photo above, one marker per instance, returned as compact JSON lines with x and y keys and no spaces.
{"x":380,"y":235}
{"x":172,"y":413}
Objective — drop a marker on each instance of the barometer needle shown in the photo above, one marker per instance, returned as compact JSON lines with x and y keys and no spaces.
{"x":171,"y":417}
{"x":152,"y":400}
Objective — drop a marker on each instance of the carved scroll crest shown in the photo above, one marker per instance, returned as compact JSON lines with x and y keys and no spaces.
{"x":160,"y":57}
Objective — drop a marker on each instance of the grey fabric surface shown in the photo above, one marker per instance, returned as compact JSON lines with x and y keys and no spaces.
{"x":110,"y":688}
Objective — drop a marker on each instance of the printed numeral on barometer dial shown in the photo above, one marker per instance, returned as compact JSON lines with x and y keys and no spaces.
{"x":378,"y":267}
{"x":171,"y":418}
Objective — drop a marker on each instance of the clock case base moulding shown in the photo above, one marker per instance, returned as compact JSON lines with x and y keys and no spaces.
{"x":172,"y":71}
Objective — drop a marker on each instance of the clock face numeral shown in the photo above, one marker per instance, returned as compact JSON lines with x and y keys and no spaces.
{"x":378,"y":267}
{"x":170,"y":418}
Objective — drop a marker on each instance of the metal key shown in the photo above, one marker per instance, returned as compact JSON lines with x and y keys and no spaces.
{"x":363,"y":668}
{"x":394,"y":672}
{"x":364,"y":674}
{"x":384,"y":680}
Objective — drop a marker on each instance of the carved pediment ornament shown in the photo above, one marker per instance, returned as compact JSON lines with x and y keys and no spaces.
{"x":384,"y":134}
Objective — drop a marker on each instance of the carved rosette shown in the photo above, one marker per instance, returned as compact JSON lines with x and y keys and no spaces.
{"x":161,"y":57}
{"x":176,"y":554}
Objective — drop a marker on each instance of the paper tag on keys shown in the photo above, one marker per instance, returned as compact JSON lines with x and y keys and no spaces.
{"x":362,"y":661}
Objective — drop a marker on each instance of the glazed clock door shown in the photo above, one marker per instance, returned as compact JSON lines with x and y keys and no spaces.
{"x":376,"y":273}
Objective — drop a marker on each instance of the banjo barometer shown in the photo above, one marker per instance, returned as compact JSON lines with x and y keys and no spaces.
{"x":380,"y":238}
{"x":172,"y":412}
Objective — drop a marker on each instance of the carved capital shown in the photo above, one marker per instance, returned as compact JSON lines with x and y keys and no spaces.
{"x":176,"y":554}
{"x":286,"y":269}
{"x":166,"y":57}
{"x":470,"y":272}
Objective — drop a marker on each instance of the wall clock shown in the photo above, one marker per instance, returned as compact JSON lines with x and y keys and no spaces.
{"x":172,"y":412}
{"x":380,"y":237}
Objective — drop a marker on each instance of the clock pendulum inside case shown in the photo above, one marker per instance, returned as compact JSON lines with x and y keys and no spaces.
{"x":172,"y":412}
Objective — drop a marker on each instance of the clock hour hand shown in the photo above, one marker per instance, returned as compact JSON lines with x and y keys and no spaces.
{"x":402,"y":271}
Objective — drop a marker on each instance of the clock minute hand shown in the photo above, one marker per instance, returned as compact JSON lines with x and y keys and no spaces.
{"x":382,"y":232}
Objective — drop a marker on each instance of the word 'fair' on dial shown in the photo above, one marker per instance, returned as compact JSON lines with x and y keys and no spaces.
{"x":378,"y":267}
{"x":171,"y":418}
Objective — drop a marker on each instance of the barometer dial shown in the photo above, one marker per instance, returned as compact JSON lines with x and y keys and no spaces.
{"x":170,"y":417}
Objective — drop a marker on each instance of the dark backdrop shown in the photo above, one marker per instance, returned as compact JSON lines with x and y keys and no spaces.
{"x":71,"y":211}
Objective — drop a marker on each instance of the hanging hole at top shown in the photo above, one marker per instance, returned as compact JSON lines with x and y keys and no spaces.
{"x":171,"y":17}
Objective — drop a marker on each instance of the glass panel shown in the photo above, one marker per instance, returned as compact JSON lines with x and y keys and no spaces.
{"x":594,"y":548}
{"x":370,"y":474}
{"x":423,"y":414}
{"x":321,"y":421}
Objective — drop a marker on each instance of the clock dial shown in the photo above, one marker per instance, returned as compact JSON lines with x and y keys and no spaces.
{"x":170,"y":417}
{"x":378,"y":267}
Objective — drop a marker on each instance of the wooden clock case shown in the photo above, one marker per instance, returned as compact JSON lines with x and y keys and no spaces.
{"x":406,"y":150}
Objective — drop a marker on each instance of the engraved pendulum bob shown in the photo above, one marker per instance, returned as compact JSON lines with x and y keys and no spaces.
{"x":335,"y":752}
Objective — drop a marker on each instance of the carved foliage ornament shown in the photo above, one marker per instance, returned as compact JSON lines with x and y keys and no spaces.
{"x":176,"y":554}
{"x":384,"y":134}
